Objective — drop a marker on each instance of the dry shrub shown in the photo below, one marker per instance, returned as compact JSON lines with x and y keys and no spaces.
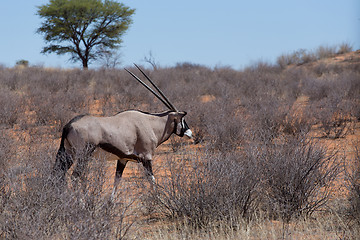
{"x":266,"y":118}
{"x":344,"y":48}
{"x":316,"y":89}
{"x":6,"y":155}
{"x":34,"y":206}
{"x":203,"y":190}
{"x":325,"y":52}
{"x":271,"y":117}
{"x":250,"y":113}
{"x":334,"y":122}
{"x":298,"y":57}
{"x":303,"y":56}
{"x":353,"y":184}
{"x":11,"y":107}
{"x":297,"y":175}
{"x":224,"y":128}
{"x":297,"y":122}
{"x":334,"y":102}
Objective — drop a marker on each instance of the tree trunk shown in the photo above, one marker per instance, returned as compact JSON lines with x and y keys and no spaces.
{"x":85,"y":58}
{"x":85,"y":64}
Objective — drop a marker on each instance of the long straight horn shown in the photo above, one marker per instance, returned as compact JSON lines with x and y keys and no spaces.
{"x":172,"y":107}
{"x":152,"y":91}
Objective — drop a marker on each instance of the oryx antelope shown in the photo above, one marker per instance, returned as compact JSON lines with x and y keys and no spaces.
{"x":130,"y":135}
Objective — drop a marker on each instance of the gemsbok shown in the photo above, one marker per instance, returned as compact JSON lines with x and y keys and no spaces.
{"x":131,"y":135}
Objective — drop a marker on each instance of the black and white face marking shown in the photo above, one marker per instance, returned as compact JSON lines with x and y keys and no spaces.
{"x":183,"y":129}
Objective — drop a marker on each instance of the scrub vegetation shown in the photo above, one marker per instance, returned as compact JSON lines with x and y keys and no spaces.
{"x":276,"y":153}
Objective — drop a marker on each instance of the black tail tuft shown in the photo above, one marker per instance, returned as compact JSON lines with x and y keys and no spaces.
{"x":63,"y":159}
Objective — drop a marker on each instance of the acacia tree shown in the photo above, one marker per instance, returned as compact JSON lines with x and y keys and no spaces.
{"x":83,"y":28}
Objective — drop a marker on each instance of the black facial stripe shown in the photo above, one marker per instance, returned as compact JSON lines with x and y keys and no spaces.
{"x":186,"y":127}
{"x":182,"y":130}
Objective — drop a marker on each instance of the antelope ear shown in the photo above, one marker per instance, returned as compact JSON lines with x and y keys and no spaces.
{"x":183,"y":114}
{"x":177,"y":115}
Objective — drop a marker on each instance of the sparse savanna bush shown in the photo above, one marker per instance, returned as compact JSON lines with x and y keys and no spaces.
{"x":353,"y":184}
{"x":334,"y":102}
{"x":303,"y":56}
{"x":34,"y":205}
{"x":10,"y":108}
{"x":258,"y":159}
{"x":205,"y":189}
{"x":297,"y":176}
{"x":286,"y":178}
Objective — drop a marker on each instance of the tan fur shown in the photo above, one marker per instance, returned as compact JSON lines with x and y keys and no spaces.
{"x":130,"y":135}
{"x":131,"y":132}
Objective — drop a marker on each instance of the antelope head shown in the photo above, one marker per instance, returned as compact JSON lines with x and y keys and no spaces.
{"x":181,"y":129}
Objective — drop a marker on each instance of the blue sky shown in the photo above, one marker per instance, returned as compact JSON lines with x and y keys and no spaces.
{"x":233,"y":33}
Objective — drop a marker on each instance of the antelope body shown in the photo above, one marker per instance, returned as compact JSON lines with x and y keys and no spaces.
{"x":130,"y":135}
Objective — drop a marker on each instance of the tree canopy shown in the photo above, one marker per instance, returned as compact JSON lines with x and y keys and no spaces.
{"x":85,"y":29}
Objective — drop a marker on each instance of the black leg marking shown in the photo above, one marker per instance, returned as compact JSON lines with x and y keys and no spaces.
{"x":120,"y":166}
{"x":148,"y":167}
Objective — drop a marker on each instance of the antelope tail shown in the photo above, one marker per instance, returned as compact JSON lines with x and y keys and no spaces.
{"x":63,"y":159}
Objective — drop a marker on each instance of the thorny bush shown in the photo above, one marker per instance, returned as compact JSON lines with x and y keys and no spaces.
{"x":206,"y":189}
{"x":35,"y":206}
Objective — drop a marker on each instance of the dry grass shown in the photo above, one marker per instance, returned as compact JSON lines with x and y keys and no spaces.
{"x":321,"y":228}
{"x":247,"y":123}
